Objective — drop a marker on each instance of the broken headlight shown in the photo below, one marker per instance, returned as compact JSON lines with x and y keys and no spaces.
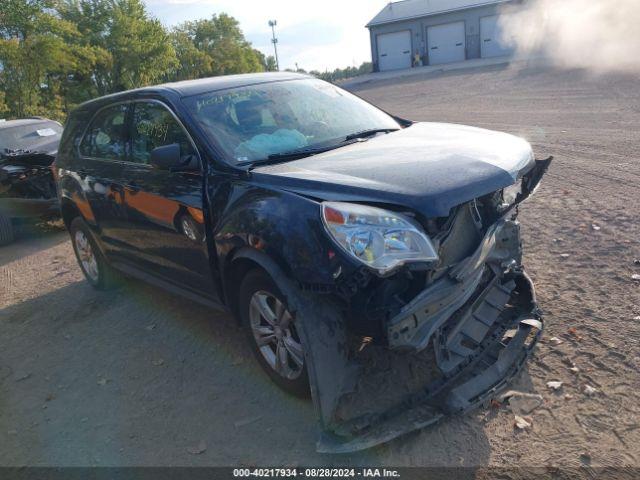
{"x":381,"y":239}
{"x":510,"y":194}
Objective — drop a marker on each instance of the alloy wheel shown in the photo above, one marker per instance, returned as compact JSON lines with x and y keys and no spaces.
{"x":86,"y":255}
{"x":275,"y":334}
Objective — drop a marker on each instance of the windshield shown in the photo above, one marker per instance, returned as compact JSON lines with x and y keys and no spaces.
{"x":255,"y":122}
{"x":28,"y":137}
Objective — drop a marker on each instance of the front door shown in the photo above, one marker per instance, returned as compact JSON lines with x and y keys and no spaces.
{"x":164,"y":209}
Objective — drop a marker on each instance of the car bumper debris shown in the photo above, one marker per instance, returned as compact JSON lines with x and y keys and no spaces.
{"x":27,"y":187}
{"x":454,"y":346}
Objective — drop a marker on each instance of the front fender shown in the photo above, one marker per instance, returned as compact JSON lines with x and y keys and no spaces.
{"x":281,"y":226}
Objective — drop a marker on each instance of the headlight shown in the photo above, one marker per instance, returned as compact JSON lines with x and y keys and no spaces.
{"x":510,"y":194}
{"x":379,"y":238}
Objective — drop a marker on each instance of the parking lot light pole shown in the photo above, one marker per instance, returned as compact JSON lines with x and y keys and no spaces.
{"x":274,"y":40}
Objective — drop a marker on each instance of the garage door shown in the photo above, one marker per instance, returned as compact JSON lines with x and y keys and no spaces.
{"x":491,"y":42}
{"x":394,"y":50}
{"x":446,"y":43}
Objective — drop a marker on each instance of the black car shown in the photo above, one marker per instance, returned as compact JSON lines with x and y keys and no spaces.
{"x":27,"y":188}
{"x":375,"y":263}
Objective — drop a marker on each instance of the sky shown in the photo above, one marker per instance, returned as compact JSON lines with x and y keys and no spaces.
{"x":315,"y":34}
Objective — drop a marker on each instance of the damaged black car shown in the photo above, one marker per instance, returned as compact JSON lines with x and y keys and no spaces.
{"x":374,"y":263}
{"x":27,"y":189}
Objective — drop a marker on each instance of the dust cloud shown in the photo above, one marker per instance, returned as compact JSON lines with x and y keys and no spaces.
{"x":600,"y":35}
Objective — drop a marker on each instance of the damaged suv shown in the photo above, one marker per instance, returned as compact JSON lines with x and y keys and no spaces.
{"x":27,"y":188}
{"x":375,"y":263}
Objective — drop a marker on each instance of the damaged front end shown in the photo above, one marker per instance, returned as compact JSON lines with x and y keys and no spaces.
{"x":27,"y":186}
{"x":435,"y":339}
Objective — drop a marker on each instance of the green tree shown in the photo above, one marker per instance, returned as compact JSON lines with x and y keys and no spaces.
{"x":192,"y":62}
{"x":132,"y":48}
{"x":139,"y":45}
{"x":223,"y":43}
{"x":270,"y":64}
{"x":37,"y":54}
{"x":55,"y":54}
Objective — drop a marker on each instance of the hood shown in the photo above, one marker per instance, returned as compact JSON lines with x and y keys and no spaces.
{"x":428,"y":167}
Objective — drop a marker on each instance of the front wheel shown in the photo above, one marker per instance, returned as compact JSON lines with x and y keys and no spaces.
{"x":272,"y":333}
{"x":92,"y":263}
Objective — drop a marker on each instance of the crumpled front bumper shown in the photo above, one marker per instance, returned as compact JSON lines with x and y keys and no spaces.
{"x":493,"y":365}
{"x":476,"y":326}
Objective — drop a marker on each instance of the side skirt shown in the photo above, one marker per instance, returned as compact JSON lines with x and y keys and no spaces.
{"x":170,"y":287}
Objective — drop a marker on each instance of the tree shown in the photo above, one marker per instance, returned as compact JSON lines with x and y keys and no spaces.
{"x":139,"y":45}
{"x":270,"y":64}
{"x":222,"y":43}
{"x":55,"y":54}
{"x":192,"y":62}
{"x":37,"y":53}
{"x":133,"y":49}
{"x":343,"y":73}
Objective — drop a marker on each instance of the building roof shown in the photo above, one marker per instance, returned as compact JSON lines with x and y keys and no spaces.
{"x":408,"y":9}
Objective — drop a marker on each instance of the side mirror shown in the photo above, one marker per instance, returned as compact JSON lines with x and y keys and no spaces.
{"x":166,"y":157}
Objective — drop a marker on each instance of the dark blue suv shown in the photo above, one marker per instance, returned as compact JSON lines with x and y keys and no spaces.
{"x":375,"y":263}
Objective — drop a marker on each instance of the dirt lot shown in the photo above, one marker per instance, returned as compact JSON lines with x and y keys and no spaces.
{"x":138,"y":377}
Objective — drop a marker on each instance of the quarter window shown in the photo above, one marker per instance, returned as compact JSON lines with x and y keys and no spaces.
{"x":153,"y":126}
{"x":105,"y":137}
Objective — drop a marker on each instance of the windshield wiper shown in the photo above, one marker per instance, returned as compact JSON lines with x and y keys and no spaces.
{"x":308,"y":151}
{"x":369,"y":133}
{"x":303,"y":152}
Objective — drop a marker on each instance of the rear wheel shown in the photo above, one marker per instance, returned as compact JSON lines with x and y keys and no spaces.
{"x":271,"y":330}
{"x":6,"y":230}
{"x":92,"y":263}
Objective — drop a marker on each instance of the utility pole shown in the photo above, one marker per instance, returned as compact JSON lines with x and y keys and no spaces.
{"x":274,"y":40}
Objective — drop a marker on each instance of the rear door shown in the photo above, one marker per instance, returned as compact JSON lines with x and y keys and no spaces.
{"x":446,"y":43}
{"x":394,"y":50}
{"x":166,"y":233}
{"x":102,"y":152}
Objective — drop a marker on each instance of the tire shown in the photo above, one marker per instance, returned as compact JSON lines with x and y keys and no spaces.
{"x":96,"y":270}
{"x":290,"y":375}
{"x":6,"y":230}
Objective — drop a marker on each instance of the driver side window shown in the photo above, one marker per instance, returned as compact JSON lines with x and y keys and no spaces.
{"x":153,"y":126}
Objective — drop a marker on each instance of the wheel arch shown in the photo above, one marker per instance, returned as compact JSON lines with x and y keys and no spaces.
{"x":236,"y":268}
{"x":69,"y":210}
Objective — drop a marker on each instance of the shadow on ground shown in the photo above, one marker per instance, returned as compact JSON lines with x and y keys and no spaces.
{"x":32,"y":238}
{"x":140,"y":377}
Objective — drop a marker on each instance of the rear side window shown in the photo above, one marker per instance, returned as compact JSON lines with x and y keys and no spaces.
{"x":154,"y":126}
{"x":106,"y":136}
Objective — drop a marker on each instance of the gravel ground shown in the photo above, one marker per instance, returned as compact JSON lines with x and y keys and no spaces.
{"x":139,"y":377}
